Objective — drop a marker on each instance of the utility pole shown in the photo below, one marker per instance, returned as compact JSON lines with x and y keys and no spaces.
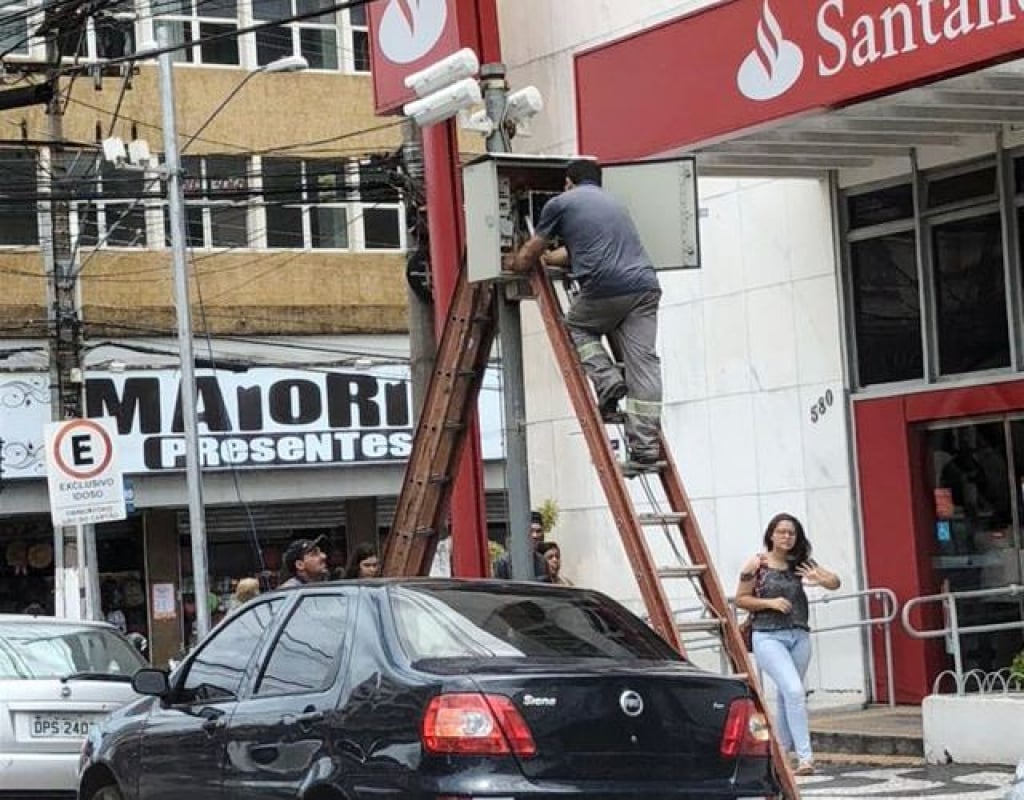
{"x":179,"y":248}
{"x":67,"y":376}
{"x":510,"y":331}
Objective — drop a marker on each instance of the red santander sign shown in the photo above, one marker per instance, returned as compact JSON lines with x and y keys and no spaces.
{"x":408,"y":35}
{"x":739,"y":64}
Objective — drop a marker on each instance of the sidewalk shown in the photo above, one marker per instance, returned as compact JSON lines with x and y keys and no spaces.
{"x":866,"y":735}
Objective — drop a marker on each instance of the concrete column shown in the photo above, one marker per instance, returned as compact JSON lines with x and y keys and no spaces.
{"x":162,"y":566}
{"x":361,"y":522}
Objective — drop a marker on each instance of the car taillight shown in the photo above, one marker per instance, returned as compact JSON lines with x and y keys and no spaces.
{"x":476,"y":724}
{"x":746,"y":731}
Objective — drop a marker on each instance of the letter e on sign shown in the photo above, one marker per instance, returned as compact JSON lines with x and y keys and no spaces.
{"x":82,"y":450}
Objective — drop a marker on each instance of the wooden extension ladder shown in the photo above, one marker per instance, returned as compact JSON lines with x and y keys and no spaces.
{"x":461,"y":360}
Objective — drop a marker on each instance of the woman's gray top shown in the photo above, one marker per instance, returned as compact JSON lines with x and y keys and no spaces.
{"x":770,"y":583}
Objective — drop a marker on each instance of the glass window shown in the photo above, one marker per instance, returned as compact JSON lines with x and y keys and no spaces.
{"x":216,"y":201}
{"x":315,"y":38}
{"x":14,"y":31}
{"x":884,"y":205}
{"x":111,"y":212}
{"x":31,"y":651}
{"x":306,"y":654}
{"x":359,"y":32}
{"x":970,"y":295}
{"x":962,"y":188}
{"x":887,"y":309}
{"x":199,"y":20}
{"x":108,"y":34}
{"x":471,"y":623}
{"x":18,"y":190}
{"x":217,"y":670}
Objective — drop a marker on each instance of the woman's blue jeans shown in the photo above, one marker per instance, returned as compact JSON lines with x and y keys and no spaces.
{"x":784,"y":655}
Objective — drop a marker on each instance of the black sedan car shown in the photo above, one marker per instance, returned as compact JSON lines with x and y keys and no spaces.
{"x":431,"y":690}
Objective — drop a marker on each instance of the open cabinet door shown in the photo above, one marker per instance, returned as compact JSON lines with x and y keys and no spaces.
{"x":662,"y":199}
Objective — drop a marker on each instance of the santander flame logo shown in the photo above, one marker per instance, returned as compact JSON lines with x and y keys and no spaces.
{"x":772,"y":68}
{"x":409,"y":29}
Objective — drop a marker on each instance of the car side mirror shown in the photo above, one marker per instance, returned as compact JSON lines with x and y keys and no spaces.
{"x":151,"y":682}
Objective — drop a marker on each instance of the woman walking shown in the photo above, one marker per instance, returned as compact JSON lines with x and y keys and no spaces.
{"x":552,"y":556}
{"x":771,"y":589}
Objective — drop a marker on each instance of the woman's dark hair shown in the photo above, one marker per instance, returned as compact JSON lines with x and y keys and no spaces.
{"x":801,"y":551}
{"x":583,"y":169}
{"x":360,"y":553}
{"x":543,"y":547}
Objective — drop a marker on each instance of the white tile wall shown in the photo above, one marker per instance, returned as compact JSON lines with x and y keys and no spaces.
{"x":747,"y":344}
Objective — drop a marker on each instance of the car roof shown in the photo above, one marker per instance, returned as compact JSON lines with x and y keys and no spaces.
{"x":48,"y":620}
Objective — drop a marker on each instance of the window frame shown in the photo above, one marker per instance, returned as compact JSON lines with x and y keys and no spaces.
{"x":352,"y":203}
{"x":339,"y":660}
{"x":192,"y":23}
{"x":1007,"y":202}
{"x":257,"y":653}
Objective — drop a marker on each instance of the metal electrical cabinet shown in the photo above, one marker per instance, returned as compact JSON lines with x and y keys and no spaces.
{"x":504,"y":194}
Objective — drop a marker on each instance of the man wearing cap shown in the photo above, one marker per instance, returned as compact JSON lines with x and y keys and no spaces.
{"x":305,"y":562}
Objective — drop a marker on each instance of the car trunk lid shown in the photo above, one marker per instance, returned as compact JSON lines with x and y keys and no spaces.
{"x":655,"y":722}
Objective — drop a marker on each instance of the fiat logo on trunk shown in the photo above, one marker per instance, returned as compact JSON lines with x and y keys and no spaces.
{"x":631,"y":703}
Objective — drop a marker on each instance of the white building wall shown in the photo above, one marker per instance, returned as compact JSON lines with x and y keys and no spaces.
{"x":749,"y":344}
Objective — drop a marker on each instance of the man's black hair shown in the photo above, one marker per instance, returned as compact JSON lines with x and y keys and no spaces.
{"x":536,"y":518}
{"x":583,"y":170}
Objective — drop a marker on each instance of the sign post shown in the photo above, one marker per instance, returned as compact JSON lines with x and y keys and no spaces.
{"x":86,"y":487}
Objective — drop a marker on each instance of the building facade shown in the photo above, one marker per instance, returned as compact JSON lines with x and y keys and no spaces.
{"x":298,"y":235}
{"x":850,"y":349}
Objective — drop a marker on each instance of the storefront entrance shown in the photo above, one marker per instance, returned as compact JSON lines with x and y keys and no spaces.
{"x":976,"y":475}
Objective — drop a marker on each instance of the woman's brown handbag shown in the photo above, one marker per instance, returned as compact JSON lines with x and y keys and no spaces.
{"x":747,"y":626}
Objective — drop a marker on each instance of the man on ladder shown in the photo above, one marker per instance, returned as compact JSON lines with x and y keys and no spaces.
{"x":618,"y":297}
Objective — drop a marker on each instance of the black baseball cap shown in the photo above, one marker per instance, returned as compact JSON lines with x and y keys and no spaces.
{"x":299,"y":549}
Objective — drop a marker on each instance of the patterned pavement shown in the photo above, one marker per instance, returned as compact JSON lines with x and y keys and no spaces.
{"x":954,"y":782}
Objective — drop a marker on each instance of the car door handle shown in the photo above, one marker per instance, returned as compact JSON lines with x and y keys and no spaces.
{"x":211,"y":726}
{"x":307,"y":717}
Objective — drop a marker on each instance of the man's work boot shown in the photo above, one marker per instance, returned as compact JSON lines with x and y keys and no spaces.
{"x":609,"y":404}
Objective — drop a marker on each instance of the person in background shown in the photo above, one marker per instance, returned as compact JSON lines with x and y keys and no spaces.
{"x":364,"y":562}
{"x":305,"y":562}
{"x":771,"y":588}
{"x":502,"y":567}
{"x":245,"y":591}
{"x":552,"y":556}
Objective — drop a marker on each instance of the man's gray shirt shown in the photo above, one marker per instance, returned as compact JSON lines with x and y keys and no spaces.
{"x":605,"y":252}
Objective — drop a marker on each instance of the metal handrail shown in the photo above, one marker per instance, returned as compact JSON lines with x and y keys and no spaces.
{"x":890,"y":608}
{"x":954,"y":631}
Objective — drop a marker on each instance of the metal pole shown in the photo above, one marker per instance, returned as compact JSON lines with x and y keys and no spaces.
{"x":92,"y":578}
{"x":176,"y":211}
{"x":83,"y":577}
{"x":510,"y":331}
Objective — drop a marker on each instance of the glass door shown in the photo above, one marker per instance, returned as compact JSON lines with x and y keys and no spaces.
{"x":977,"y":472}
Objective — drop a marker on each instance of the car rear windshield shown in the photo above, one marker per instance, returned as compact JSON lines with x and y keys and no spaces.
{"x":470,"y":622}
{"x":31,"y":650}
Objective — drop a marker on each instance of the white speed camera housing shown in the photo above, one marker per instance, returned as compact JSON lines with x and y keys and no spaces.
{"x":445,"y":103}
{"x":523,"y":104}
{"x":460,"y":64}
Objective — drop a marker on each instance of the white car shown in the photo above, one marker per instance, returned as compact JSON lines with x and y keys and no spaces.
{"x":57,"y":679}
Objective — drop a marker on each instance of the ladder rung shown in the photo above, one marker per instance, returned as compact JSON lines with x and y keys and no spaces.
{"x":424,"y":533}
{"x":439,"y":478}
{"x":467,"y":373}
{"x":453,"y":426}
{"x":698,"y":625}
{"x":654,"y":518}
{"x":689,"y":571}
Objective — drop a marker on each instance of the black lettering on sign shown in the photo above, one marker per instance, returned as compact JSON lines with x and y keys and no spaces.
{"x":81,"y":450}
{"x":396,"y":404}
{"x":210,"y":407}
{"x":140,"y":399}
{"x":347,"y":391}
{"x":295,"y":402}
{"x":250,"y":408}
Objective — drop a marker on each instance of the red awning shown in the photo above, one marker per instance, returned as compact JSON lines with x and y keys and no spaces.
{"x":762,"y":86}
